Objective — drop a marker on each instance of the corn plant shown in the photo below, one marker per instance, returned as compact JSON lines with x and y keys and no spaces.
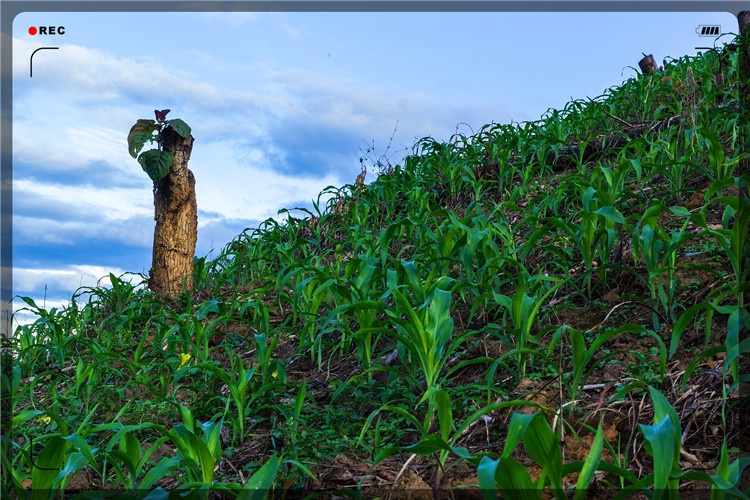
{"x":523,"y":308}
{"x":125,"y":451}
{"x":198,"y":454}
{"x":354,"y":297}
{"x":733,"y":237}
{"x":659,"y":252}
{"x":312,"y":289}
{"x":437,"y":438}
{"x":594,"y":233}
{"x":238,"y":381}
{"x":64,"y":452}
{"x":512,"y":478}
{"x":582,"y":357}
{"x":191,"y":330}
{"x":48,"y":333}
{"x":424,"y":332}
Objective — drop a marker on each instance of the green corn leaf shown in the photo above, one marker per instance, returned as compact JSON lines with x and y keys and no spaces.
{"x":508,"y":476}
{"x":429,"y":444}
{"x":212,"y":437}
{"x":611,"y":214}
{"x":83,"y":447}
{"x":24,"y":416}
{"x":439,"y":324}
{"x":519,"y":422}
{"x":132,"y":448}
{"x":588,"y":198}
{"x":715,"y":149}
{"x":445,"y":413}
{"x":193,"y":448}
{"x":590,"y":465}
{"x":542,"y":444}
{"x":680,"y":211}
{"x":662,"y":409}
{"x":486,"y":477}
{"x":48,"y":465}
{"x":76,"y":461}
{"x":258,"y":486}
{"x":124,"y":430}
{"x":660,"y":437}
{"x":412,"y":280}
{"x":159,"y":471}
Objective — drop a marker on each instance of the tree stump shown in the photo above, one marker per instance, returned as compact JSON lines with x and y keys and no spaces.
{"x":176,"y":216}
{"x":648,"y":64}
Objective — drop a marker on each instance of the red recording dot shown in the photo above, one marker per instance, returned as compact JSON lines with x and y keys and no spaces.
{"x":32,"y":30}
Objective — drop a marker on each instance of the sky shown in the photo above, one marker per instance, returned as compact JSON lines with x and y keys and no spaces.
{"x":281,"y":105}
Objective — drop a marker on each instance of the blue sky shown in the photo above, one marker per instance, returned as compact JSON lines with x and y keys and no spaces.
{"x":281,"y":106}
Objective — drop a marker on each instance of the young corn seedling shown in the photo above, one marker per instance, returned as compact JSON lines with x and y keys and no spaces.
{"x":524,"y":308}
{"x":439,"y":437}
{"x":360,"y":275}
{"x":582,"y":357}
{"x":733,"y":237}
{"x":593,"y":234}
{"x":659,"y":252}
{"x":124,"y":450}
{"x":512,"y":479}
{"x":238,"y":381}
{"x":424,"y":332}
{"x":63,"y":453}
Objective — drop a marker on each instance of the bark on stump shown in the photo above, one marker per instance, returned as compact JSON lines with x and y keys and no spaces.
{"x":648,"y":64}
{"x":176,"y":216}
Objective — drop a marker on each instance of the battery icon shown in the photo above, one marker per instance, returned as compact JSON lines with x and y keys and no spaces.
{"x":708,"y":30}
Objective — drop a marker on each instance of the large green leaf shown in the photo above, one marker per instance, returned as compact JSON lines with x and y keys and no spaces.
{"x":48,"y":465}
{"x":141,"y":132}
{"x":76,"y":461}
{"x":191,"y":447}
{"x":258,"y":486}
{"x":611,"y":213}
{"x":180,"y":127}
{"x":542,"y":444}
{"x":23,"y":416}
{"x":159,"y":471}
{"x":659,"y":436}
{"x":662,"y":409}
{"x":507,"y":475}
{"x":156,"y":163}
{"x":83,"y":447}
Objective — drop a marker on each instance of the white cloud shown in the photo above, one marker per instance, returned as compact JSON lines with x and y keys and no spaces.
{"x":70,"y":278}
{"x":240,"y":185}
{"x":61,"y":148}
{"x":41,"y":231}
{"x":96,"y":76}
{"x":109,"y":204}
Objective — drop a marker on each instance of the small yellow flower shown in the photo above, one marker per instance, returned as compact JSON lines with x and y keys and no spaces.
{"x":275,"y":374}
{"x":44,"y":420}
{"x":184,"y":358}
